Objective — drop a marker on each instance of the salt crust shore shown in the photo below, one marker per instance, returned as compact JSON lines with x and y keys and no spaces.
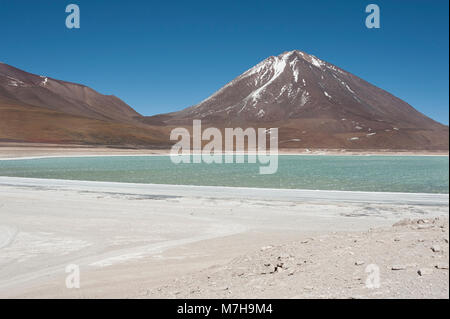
{"x":153,"y":241}
{"x":29,"y":151}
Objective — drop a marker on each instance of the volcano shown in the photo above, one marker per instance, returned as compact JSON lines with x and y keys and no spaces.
{"x":314,"y":104}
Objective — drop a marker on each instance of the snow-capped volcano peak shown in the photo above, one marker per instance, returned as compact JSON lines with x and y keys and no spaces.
{"x":262,"y":92}
{"x":295,"y":55}
{"x":296,"y":87}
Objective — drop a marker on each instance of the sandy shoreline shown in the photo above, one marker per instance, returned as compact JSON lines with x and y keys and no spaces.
{"x":30,"y":151}
{"x":232,"y":193}
{"x":131,"y":240}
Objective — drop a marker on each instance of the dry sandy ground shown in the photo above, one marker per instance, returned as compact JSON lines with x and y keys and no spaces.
{"x":156,"y":241}
{"x":407,"y":261}
{"x":23,"y":150}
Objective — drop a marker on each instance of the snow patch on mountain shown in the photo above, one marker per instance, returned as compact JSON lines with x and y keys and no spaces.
{"x":295,"y":70}
{"x":15,"y":82}
{"x":317,"y":62}
{"x":304,"y":98}
{"x":44,"y":82}
{"x":277,"y":67}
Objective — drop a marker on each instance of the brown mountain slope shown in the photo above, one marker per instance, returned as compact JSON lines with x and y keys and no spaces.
{"x":26,"y":88}
{"x":44,"y":110}
{"x":316,"y":105}
{"x":25,"y":123}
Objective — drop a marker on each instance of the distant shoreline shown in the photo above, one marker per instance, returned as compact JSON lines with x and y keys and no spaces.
{"x":160,"y":155}
{"x":16,"y":151}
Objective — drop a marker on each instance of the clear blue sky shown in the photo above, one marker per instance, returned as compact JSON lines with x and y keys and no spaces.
{"x":164,"y":56}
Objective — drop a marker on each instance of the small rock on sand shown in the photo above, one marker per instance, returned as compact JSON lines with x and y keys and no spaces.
{"x":359,"y":263}
{"x":425,"y":271}
{"x":441,"y":266}
{"x":398,"y":267}
{"x":436,"y":248}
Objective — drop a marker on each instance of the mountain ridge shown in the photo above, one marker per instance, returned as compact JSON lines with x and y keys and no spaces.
{"x":41,"y":109}
{"x":69,"y":97}
{"x":315,"y":104}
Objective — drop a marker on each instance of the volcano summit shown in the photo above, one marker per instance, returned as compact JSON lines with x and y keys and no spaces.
{"x":316,"y":105}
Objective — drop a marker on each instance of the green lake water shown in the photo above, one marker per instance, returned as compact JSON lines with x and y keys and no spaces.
{"x":420,"y":174}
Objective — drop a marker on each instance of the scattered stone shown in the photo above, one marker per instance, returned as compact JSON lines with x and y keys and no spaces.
{"x":396,"y":239}
{"x":425,"y":271}
{"x":359,"y":263}
{"x":436,"y":248}
{"x":398,"y":267}
{"x":441,"y":266}
{"x":305,"y":241}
